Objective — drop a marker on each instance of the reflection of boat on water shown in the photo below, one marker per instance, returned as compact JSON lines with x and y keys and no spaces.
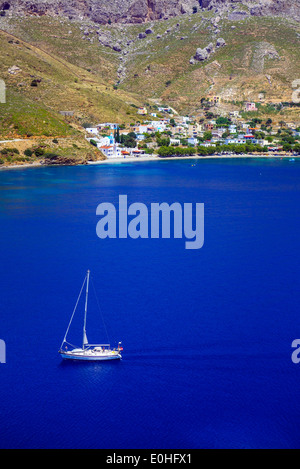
{"x":292,"y":159}
{"x":88,"y":352}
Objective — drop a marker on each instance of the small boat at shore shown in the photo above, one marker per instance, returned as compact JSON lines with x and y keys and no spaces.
{"x":87,"y":352}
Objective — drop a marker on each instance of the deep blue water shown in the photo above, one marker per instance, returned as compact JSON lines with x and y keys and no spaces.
{"x":206,"y":333}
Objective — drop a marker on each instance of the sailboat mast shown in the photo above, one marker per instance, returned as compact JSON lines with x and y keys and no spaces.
{"x":84,"y":341}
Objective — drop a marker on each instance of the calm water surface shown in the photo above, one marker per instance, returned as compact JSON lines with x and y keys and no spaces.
{"x":206,"y":333}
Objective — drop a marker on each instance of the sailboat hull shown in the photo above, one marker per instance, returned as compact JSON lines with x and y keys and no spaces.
{"x":90,"y":356}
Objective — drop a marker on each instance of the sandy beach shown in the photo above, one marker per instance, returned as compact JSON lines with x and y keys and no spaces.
{"x":135,"y":159}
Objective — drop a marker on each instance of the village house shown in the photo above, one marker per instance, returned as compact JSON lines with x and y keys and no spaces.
{"x":151,"y":130}
{"x":110,"y":151}
{"x":141,"y":129}
{"x":140,"y":137}
{"x":137,"y":152}
{"x":249,"y":107}
{"x":109,"y":125}
{"x":164,"y":109}
{"x":194,"y":130}
{"x":245,"y":126}
{"x":250,"y":138}
{"x":174,"y":141}
{"x":182,"y":120}
{"x":104,"y":141}
{"x":235,"y":141}
{"x":179,"y":130}
{"x":232,"y":128}
{"x":214,"y":99}
{"x":159,"y":126}
{"x":142,"y":110}
{"x":209,"y":126}
{"x":185,"y":119}
{"x":92,"y":130}
{"x":192,"y":141}
{"x":217,"y":140}
{"x":234,"y":114}
{"x":217,"y":133}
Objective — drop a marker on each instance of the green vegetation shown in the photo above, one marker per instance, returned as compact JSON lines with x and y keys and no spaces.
{"x":237,"y":149}
{"x":128,"y":140}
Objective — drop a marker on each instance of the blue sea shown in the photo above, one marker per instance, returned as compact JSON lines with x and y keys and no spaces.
{"x":206,"y":333}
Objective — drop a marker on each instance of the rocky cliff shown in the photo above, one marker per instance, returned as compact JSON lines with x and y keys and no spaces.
{"x":140,"y":11}
{"x":103,"y":11}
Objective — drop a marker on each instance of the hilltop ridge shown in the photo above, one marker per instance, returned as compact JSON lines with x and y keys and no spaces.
{"x":140,"y":11}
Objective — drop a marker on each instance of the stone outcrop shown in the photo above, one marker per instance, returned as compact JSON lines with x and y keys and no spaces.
{"x":204,"y":54}
{"x":220,"y":42}
{"x":201,"y":54}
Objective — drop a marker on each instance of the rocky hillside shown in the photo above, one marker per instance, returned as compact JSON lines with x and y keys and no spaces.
{"x":62,"y":73}
{"x":140,"y":11}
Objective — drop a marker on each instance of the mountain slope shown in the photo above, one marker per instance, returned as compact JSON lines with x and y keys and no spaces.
{"x":41,"y":82}
{"x":261,"y":55}
{"x":104,"y":72}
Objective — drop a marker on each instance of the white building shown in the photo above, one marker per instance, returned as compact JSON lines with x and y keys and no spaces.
{"x":174,"y":141}
{"x":164,"y":109}
{"x":185,"y":119}
{"x":92,"y":130}
{"x":232,"y":129}
{"x":104,"y":141}
{"x":217,"y":133}
{"x":143,"y":129}
{"x":142,"y":110}
{"x":110,"y":151}
{"x":111,"y":125}
{"x":192,"y":141}
{"x":158,"y":125}
{"x":140,"y":137}
{"x":237,"y":141}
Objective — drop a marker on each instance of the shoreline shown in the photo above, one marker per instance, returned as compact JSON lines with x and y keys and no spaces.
{"x":20,"y":166}
{"x":189,"y":157}
{"x":134,"y":159}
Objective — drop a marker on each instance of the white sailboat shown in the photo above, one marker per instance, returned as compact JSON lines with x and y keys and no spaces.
{"x":88,"y":352}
